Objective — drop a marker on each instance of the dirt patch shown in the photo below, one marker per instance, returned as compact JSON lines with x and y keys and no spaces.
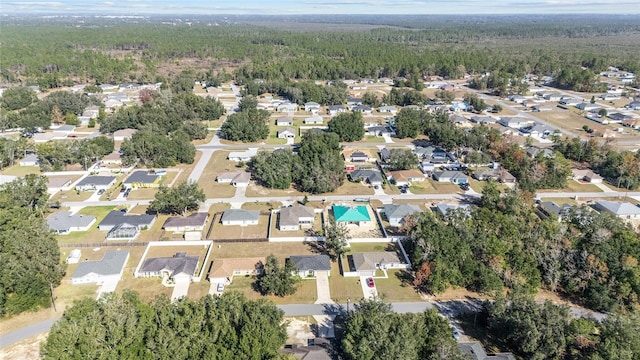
{"x":299,"y":331}
{"x":25,"y":349}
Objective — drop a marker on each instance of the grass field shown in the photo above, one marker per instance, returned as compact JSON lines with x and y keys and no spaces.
{"x":281,"y":250}
{"x":574,"y":186}
{"x":343,"y":288}
{"x":372,"y":247}
{"x":240,"y":232}
{"x":394,"y":289}
{"x":92,"y":236}
{"x":216,"y":165}
{"x":255,"y":190}
{"x":306,"y":292}
{"x":20,"y":171}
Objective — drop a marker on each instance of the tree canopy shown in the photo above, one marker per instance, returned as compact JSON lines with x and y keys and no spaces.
{"x":183,"y":197}
{"x":277,"y":280}
{"x":29,"y":251}
{"x":321,"y":162}
{"x":247,"y":125}
{"x":123,"y":327}
{"x":349,"y":126}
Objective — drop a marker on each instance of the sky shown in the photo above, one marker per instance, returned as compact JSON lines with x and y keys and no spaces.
{"x":293,"y":7}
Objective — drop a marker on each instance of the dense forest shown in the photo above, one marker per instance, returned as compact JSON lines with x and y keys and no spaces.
{"x":589,"y":256}
{"x":56,"y":53}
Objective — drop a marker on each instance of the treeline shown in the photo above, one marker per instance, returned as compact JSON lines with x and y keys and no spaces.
{"x":589,"y":256}
{"x":547,"y":331}
{"x":123,"y":327}
{"x":56,"y":155}
{"x":52,"y":54}
{"x":21,"y":108}
{"x":621,"y":168}
{"x":298,"y":92}
{"x":318,"y":167}
{"x":29,"y":251}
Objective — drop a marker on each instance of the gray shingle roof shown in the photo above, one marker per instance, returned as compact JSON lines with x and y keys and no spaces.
{"x":399,"y":211}
{"x":175,"y":265}
{"x":63,"y":220}
{"x":311,"y":262}
{"x":619,"y":208}
{"x":445,"y":208}
{"x":240,"y":215}
{"x":196,"y":219}
{"x":96,"y":181}
{"x":110,"y":264}
{"x":290,"y":216}
{"x":372,"y":176}
{"x":369,"y":260}
{"x":117,"y":217}
{"x":141,"y":177}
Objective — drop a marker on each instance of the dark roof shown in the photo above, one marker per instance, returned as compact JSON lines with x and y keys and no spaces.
{"x":475,"y":351}
{"x":359,"y":154}
{"x":117,"y":217}
{"x":240,"y":215}
{"x":96,"y":180}
{"x":311,"y":262}
{"x":400,"y":210}
{"x":196,"y":219}
{"x":370,"y":175}
{"x":175,"y":265}
{"x":141,"y":176}
{"x":384,"y":154}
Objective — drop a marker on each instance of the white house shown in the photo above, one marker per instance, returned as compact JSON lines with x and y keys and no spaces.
{"x":30,"y":160}
{"x":623,"y":210}
{"x":223,"y":270}
{"x":295,"y":217}
{"x":284,"y":121}
{"x":310,"y":266}
{"x":314,"y":120}
{"x":237,"y":178}
{"x":312,"y":107}
{"x":109,"y":268}
{"x":287,"y":133}
{"x":63,"y":222}
{"x":240,"y":217}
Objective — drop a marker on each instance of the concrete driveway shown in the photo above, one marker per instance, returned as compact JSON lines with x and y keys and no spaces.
{"x":107,"y":287}
{"x":181,"y":289}
{"x":323,"y":289}
{"x":367,"y":292}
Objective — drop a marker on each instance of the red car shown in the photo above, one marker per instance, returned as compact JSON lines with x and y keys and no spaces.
{"x":370,"y":282}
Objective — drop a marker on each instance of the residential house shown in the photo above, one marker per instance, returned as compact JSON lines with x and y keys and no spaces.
{"x":193,"y":222}
{"x":537,"y":130}
{"x":284,"y":121}
{"x":287,"y":133}
{"x":142,"y":179}
{"x":459,"y":106}
{"x":115,"y":158}
{"x":366,"y":264}
{"x":223,"y":270}
{"x":539,"y":108}
{"x":373,"y":177}
{"x":534,"y":151}
{"x":312,"y":107}
{"x":313,"y":120}
{"x":606,"y":97}
{"x":427,"y":167}
{"x":335,"y":110}
{"x":57,"y":183}
{"x":236,"y":178}
{"x":456,"y":177}
{"x":514,"y":122}
{"x":406,"y":177}
{"x":67,"y":129}
{"x":632,"y":123}
{"x":388,"y":109}
{"x":119,"y":217}
{"x":396,"y":213}
{"x":623,"y":210}
{"x":351,"y":102}
{"x":93,"y":183}
{"x":552,"y":97}
{"x":48,"y":136}
{"x":295,"y":217}
{"x":618,"y":118}
{"x":506,"y":177}
{"x":240,"y":217}
{"x":107,"y":269}
{"x":587,"y":106}
{"x":128,"y":86}
{"x":385,"y":154}
{"x":351,"y":215}
{"x":634,"y":105}
{"x":124,"y":134}
{"x":378,"y":130}
{"x":243,"y":156}
{"x":30,"y":160}
{"x":569,"y":101}
{"x":177,"y":267}
{"x":356,"y":156}
{"x":483,"y":119}
{"x":91,"y":112}
{"x":287,"y":107}
{"x":550,"y":208}
{"x":475,"y":351}
{"x":485,"y":175}
{"x":365,"y":109}
{"x":443,"y":209}
{"x":586,"y":175}
{"x":108,"y":88}
{"x":311,"y":265}
{"x":63,"y":222}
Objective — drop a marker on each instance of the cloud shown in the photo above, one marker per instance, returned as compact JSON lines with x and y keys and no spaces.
{"x":106,"y":3}
{"x":36,"y":3}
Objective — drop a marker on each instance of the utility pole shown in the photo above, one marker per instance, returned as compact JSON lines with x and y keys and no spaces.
{"x":53,"y":301}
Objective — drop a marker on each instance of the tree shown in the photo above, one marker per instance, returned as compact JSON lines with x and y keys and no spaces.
{"x":593,"y":99}
{"x":472,"y":99}
{"x":446,"y":96}
{"x":321,"y":166}
{"x":184,"y":197}
{"x":348,"y":126}
{"x":246,"y":126}
{"x":195,"y":129}
{"x":374,"y":331}
{"x":17,"y":98}
{"x":408,"y":123}
{"x":274,"y":170}
{"x":70,"y":118}
{"x":402,"y":159}
{"x":123,"y":327}
{"x":29,"y":251}
{"x":370,"y":98}
{"x":277,"y":280}
{"x":336,"y":238}
{"x":248,"y":103}
{"x":602,"y":112}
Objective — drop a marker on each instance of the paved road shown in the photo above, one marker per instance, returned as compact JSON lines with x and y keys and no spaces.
{"x":26,"y":332}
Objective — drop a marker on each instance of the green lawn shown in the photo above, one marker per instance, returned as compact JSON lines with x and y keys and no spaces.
{"x":342,"y":287}
{"x":372,"y":247}
{"x":574,"y":186}
{"x":92,"y":236}
{"x":20,"y":171}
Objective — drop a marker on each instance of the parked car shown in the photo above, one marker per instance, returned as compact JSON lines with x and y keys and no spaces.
{"x":456,"y":333}
{"x":370,"y":282}
{"x":101,"y":191}
{"x":220,"y":287}
{"x":465,"y":187}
